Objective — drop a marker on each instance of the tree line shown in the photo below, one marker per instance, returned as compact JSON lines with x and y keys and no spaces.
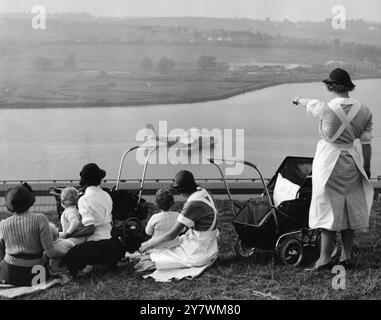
{"x":43,"y":63}
{"x":165,"y":64}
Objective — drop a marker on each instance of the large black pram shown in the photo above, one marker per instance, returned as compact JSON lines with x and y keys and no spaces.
{"x":261,"y":225}
{"x":129,"y":209}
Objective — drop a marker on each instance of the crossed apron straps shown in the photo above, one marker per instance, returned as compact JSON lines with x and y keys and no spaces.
{"x":209,"y":202}
{"x":345,"y":119}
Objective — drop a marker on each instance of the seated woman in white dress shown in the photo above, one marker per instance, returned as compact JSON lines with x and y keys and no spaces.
{"x":198,"y":247}
{"x":94,"y":207}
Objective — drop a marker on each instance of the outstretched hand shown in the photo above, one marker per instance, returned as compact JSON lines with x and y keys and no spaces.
{"x":295,"y":101}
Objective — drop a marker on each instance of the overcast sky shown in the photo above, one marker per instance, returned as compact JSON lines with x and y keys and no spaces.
{"x":256,"y":9}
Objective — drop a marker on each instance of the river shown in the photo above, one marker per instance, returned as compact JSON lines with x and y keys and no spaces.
{"x":56,"y":143}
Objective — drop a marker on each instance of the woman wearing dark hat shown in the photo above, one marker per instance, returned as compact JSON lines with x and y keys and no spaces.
{"x":198,"y":248}
{"x":342,"y":195}
{"x":94,"y":206}
{"x":25,"y":236}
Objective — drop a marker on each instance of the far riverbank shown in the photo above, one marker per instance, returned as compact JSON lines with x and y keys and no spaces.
{"x":162,"y":99}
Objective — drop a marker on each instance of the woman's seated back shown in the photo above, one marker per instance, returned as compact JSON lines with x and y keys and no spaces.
{"x":25,"y":236}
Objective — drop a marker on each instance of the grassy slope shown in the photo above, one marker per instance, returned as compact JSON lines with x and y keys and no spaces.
{"x":233,"y":278}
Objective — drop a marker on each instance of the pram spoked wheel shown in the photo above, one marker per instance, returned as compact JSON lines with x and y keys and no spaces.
{"x":291,"y":252}
{"x":242,"y":250}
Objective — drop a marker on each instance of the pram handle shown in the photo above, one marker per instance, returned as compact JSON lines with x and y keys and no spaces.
{"x":252,"y":165}
{"x":247,"y":163}
{"x":140,"y":191}
{"x":145,"y":171}
{"x":211,"y":160}
{"x":121,"y":165}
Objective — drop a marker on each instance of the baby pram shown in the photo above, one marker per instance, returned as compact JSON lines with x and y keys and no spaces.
{"x":260,"y":224}
{"x":129,"y":209}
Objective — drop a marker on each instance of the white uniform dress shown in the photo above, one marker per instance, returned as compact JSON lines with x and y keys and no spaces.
{"x":197,"y":249}
{"x":342,"y":195}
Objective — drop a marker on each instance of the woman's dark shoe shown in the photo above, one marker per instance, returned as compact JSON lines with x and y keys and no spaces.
{"x":327,"y":266}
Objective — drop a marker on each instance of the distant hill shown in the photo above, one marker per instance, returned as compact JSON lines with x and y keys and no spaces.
{"x":357,"y":30}
{"x":70,"y":25}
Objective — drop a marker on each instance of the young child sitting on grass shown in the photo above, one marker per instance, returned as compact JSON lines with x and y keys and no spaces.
{"x":160,"y":223}
{"x":70,"y":218}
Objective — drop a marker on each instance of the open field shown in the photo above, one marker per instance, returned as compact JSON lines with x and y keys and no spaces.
{"x":234,"y":278}
{"x":106,"y":67}
{"x":111,"y":75}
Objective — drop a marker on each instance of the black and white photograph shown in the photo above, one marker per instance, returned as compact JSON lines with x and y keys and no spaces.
{"x":211,"y":152}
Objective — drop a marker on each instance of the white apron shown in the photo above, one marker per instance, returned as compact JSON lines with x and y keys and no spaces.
{"x":321,"y":213}
{"x":197,"y":249}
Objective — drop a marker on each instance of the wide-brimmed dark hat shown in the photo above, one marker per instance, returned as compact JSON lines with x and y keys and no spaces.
{"x":91,"y":174}
{"x":19,"y":199}
{"x":184,"y":182}
{"x":340,"y":76}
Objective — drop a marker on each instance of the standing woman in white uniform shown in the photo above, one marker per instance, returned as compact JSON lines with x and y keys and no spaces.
{"x":342,"y":195}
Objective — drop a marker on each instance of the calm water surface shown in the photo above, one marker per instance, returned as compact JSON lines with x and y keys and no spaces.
{"x":56,"y":143}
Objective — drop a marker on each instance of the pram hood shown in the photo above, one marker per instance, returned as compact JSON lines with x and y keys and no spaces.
{"x":294,"y":169}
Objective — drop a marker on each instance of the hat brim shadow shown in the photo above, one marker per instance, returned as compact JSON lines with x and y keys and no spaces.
{"x":349,"y":85}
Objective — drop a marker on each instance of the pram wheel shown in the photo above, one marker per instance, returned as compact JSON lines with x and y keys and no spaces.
{"x":291,"y":252}
{"x":242,"y":250}
{"x":132,"y":226}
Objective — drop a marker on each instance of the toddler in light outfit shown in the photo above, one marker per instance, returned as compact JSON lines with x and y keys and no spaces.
{"x":70,"y":218}
{"x":160,"y":223}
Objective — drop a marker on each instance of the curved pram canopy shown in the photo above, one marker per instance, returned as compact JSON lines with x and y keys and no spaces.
{"x":297,"y":170}
{"x":255,"y":223}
